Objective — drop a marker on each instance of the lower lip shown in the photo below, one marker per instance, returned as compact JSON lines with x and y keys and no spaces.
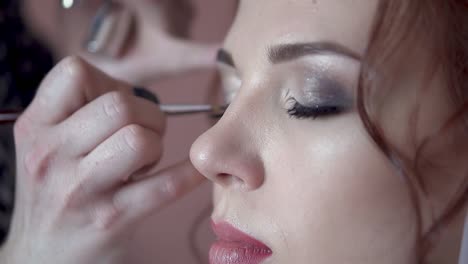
{"x":237,"y":248}
{"x":223,"y":252}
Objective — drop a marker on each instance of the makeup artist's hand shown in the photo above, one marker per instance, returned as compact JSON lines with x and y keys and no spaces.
{"x":86,"y":155}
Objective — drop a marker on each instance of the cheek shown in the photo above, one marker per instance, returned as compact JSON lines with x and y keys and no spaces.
{"x":345,"y":193}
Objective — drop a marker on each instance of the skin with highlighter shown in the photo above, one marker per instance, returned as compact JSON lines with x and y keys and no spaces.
{"x":298,"y":176}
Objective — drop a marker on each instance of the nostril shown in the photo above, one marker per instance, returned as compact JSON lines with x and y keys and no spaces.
{"x":224,"y":178}
{"x":223,"y":175}
{"x":227,"y":179}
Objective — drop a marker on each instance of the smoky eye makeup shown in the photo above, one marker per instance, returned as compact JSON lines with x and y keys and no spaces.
{"x":317,"y":95}
{"x":318,"y":86}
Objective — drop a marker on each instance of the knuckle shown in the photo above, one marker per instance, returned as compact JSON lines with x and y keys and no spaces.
{"x":75,"y":68}
{"x":107,"y":216}
{"x":72,"y":73}
{"x":80,"y":189}
{"x":118,"y":106}
{"x":84,"y":171}
{"x":22,"y":126}
{"x":71,"y":198}
{"x":37,"y":161}
{"x":75,"y":195}
{"x":136,"y":138}
{"x":153,"y":200}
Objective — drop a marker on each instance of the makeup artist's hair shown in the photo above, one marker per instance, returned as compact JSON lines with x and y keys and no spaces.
{"x":438,"y":29}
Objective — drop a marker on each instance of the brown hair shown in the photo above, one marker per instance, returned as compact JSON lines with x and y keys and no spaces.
{"x":440,"y":29}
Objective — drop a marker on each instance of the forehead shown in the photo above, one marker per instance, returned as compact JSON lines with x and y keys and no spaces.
{"x":261,"y":24}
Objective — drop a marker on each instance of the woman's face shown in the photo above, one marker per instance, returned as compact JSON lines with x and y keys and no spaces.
{"x":292,"y":164}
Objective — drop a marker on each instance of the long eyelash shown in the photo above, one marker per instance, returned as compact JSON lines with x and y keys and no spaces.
{"x":299,"y":111}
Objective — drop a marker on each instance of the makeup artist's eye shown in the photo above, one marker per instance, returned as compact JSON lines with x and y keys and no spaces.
{"x":300,"y":111}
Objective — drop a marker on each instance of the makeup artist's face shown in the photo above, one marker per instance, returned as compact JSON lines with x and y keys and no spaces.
{"x":292,"y":164}
{"x":65,"y":31}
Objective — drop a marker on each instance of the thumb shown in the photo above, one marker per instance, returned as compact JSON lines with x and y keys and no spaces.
{"x":140,"y":199}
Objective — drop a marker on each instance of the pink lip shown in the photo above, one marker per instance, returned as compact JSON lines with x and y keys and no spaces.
{"x":236,"y":247}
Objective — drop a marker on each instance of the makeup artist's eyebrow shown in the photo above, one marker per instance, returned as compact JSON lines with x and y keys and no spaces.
{"x":225,"y":57}
{"x":286,"y":52}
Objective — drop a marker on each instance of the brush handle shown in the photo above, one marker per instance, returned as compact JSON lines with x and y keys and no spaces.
{"x":9,"y":117}
{"x":168,"y":109}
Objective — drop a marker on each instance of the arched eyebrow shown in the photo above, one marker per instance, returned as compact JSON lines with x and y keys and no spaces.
{"x":287,"y":52}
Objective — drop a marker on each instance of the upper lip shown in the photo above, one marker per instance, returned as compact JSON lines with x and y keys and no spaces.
{"x":228,"y":233}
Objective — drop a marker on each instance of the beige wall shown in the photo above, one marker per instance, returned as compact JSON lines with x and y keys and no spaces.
{"x":163,"y":239}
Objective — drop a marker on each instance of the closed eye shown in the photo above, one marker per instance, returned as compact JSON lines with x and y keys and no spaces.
{"x":317,"y":111}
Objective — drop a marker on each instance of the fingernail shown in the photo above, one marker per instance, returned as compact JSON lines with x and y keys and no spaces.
{"x":145,"y":94}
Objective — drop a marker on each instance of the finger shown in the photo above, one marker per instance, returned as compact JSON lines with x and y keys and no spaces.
{"x":69,"y":86}
{"x":100,"y":119}
{"x":115,"y":160}
{"x":140,"y":199}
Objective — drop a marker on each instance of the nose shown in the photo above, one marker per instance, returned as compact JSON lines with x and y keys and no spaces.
{"x":228,"y":155}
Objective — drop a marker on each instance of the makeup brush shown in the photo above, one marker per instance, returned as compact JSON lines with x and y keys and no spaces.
{"x":185,"y":109}
{"x":169,"y":109}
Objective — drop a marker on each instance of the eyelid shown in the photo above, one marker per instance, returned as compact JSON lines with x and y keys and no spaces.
{"x":323,"y":90}
{"x":300,"y":111}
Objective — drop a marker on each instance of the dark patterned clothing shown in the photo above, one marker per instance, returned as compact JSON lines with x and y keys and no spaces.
{"x":23,"y":63}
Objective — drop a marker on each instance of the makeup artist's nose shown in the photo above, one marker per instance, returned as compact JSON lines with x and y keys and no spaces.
{"x":227,"y":155}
